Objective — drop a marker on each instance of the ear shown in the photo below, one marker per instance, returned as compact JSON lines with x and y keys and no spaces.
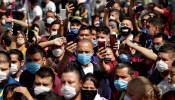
{"x":157,"y":29}
{"x":92,"y":52}
{"x":22,"y":63}
{"x":81,"y":83}
{"x":133,"y":51}
{"x":44,"y":61}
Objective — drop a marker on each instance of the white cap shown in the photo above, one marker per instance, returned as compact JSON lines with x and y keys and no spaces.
{"x":81,"y":1}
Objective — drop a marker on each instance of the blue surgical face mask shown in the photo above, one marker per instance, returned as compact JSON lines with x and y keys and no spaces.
{"x":84,"y":59}
{"x":17,"y":2}
{"x":121,"y":84}
{"x":101,"y":22}
{"x":33,"y":67}
{"x":8,"y":26}
{"x":125,"y":57}
{"x":74,"y":30}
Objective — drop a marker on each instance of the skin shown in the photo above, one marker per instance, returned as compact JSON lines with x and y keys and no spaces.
{"x":55,"y":28}
{"x":76,"y":25}
{"x":35,"y":58}
{"x":85,"y":48}
{"x":4,"y":67}
{"x":172,"y":74}
{"x":109,"y":54}
{"x":94,"y":34}
{"x":113,"y":29}
{"x":97,"y":19}
{"x":152,"y":30}
{"x":127,"y":23}
{"x":122,"y":74}
{"x":84,"y":34}
{"x":102,"y":15}
{"x":116,"y":15}
{"x":50,"y":15}
{"x":88,"y":85}
{"x":20,"y":37}
{"x":46,"y":82}
{"x":165,"y":57}
{"x":144,"y":23}
{"x":158,"y":41}
{"x":101,"y":35}
{"x":136,"y":39}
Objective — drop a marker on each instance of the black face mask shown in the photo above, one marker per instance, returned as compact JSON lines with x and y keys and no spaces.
{"x":107,"y":60}
{"x":125,"y":31}
{"x":88,"y":94}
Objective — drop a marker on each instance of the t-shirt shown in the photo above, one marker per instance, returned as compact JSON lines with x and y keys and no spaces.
{"x":37,"y":11}
{"x":88,"y":69}
{"x":50,"y":7}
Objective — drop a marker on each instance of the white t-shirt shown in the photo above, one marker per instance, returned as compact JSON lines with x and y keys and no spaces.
{"x":37,"y":11}
{"x":88,"y":69}
{"x":50,"y":7}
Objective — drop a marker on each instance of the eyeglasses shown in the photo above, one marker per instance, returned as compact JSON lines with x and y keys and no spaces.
{"x":112,"y":26}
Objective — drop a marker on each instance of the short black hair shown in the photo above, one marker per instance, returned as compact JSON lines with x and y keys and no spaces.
{"x":103,"y":29}
{"x":85,"y":20}
{"x":72,"y":68}
{"x":158,"y":22}
{"x":169,"y":49}
{"x":54,"y":37}
{"x":93,"y":78}
{"x":162,"y":35}
{"x":5,"y":58}
{"x":54,"y":22}
{"x":172,"y":40}
{"x":45,"y":72}
{"x":84,"y":27}
{"x":35,"y":48}
{"x":17,"y":52}
{"x":125,"y":65}
{"x":48,"y":96}
{"x":6,"y":38}
{"x":142,"y":37}
{"x":111,"y":20}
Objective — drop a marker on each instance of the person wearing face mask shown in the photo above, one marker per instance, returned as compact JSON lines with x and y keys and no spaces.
{"x":17,"y":63}
{"x":3,"y":23}
{"x":50,"y":17}
{"x":90,"y":88}
{"x":164,"y":62}
{"x":45,"y":82}
{"x":50,"y":6}
{"x":35,"y":59}
{"x":114,"y":27}
{"x":158,"y":40}
{"x":84,"y":53}
{"x":96,"y":21}
{"x":71,"y":83}
{"x":5,"y":78}
{"x":21,"y":43}
{"x":19,"y":11}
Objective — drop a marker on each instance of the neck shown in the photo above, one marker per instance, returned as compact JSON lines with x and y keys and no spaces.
{"x":86,"y":65}
{"x":164,"y":74}
{"x":17,"y":74}
{"x":61,"y":57}
{"x":127,"y":36}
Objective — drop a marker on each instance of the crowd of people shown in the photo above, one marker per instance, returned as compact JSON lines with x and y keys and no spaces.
{"x":86,"y":50}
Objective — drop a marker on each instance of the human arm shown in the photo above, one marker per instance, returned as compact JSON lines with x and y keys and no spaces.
{"x":157,"y":9}
{"x":106,"y":17}
{"x":23,"y":24}
{"x":24,"y":18}
{"x":83,"y":14}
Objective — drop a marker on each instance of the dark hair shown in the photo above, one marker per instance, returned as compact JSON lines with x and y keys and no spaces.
{"x":162,"y":35}
{"x":35,"y":48}
{"x":95,"y":16}
{"x":3,"y":15}
{"x":156,"y":16}
{"x":142,"y":37}
{"x":104,"y":29}
{"x":6,"y":38}
{"x":158,"y":22}
{"x":11,"y":87}
{"x":172,"y":40}
{"x":45,"y":72}
{"x":169,"y":49}
{"x":54,"y":37}
{"x":71,"y":68}
{"x":5,"y":58}
{"x":164,"y":3}
{"x":49,"y":11}
{"x":146,"y":14}
{"x":54,"y":22}
{"x":34,"y":2}
{"x":48,"y":96}
{"x":85,"y":20}
{"x":93,"y":78}
{"x":84,"y":27}
{"x":111,"y":20}
{"x":114,"y":10}
{"x":17,"y":52}
{"x":125,"y":65}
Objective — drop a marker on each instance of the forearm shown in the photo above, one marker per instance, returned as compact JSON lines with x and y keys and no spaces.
{"x":61,"y":30}
{"x":86,"y":11}
{"x":46,"y":44}
{"x":105,"y":20}
{"x":103,"y":67}
{"x":24,"y":24}
{"x":24,"y":18}
{"x":158,"y":10}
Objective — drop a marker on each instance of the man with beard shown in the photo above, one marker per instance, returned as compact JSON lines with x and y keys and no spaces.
{"x":5,"y":78}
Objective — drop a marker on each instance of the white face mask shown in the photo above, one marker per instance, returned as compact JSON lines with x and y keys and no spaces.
{"x":36,"y":29}
{"x":161,"y":66}
{"x":14,"y":69}
{"x":126,"y":97}
{"x":68,"y":92}
{"x":3,"y":76}
{"x":50,"y":20}
{"x":112,"y":18}
{"x":40,"y":89}
{"x":5,"y":2}
{"x":57,"y":52}
{"x":171,"y":86}
{"x":3,"y":22}
{"x":54,"y":33}
{"x":128,"y":3}
{"x":96,"y":23}
{"x":20,"y":41}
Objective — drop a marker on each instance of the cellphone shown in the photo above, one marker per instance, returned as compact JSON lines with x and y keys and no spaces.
{"x":113,"y":39}
{"x":139,"y":9}
{"x":70,"y":37}
{"x":110,"y":3}
{"x":16,"y":28}
{"x":71,"y":2}
{"x":102,"y":43}
{"x":63,"y":14}
{"x":30,"y":36}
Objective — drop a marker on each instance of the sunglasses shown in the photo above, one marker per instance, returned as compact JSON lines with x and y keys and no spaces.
{"x":112,"y":26}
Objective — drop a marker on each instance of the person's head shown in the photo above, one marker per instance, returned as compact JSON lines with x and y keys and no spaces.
{"x":57,"y":51}
{"x":153,"y":14}
{"x":140,"y":88}
{"x":85,"y":32}
{"x":50,"y":17}
{"x":85,"y":21}
{"x":17,"y":60}
{"x":35,"y":58}
{"x":47,"y":1}
{"x":48,"y":96}
{"x":140,"y":38}
{"x":103,"y":32}
{"x":156,"y":26}
{"x":109,"y":55}
{"x":114,"y":26}
{"x":17,"y":2}
{"x":165,"y":58}
{"x":20,"y":38}
{"x":123,"y":74}
{"x":144,"y":20}
{"x":9,"y":94}
{"x":94,"y":32}
{"x":34,"y":2}
{"x":54,"y":27}
{"x":6,"y":40}
{"x":163,"y":4}
{"x":2,"y":19}
{"x":84,"y":52}
{"x":71,"y":82}
{"x":90,"y":86}
{"x":114,"y":14}
{"x":171,"y":40}
{"x":126,"y":26}
{"x":96,"y":20}
{"x":75,"y":25}
{"x":5,"y":64}
{"x":44,"y":80}
{"x":101,"y":14}
{"x":116,"y":6}
{"x":159,"y":40}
